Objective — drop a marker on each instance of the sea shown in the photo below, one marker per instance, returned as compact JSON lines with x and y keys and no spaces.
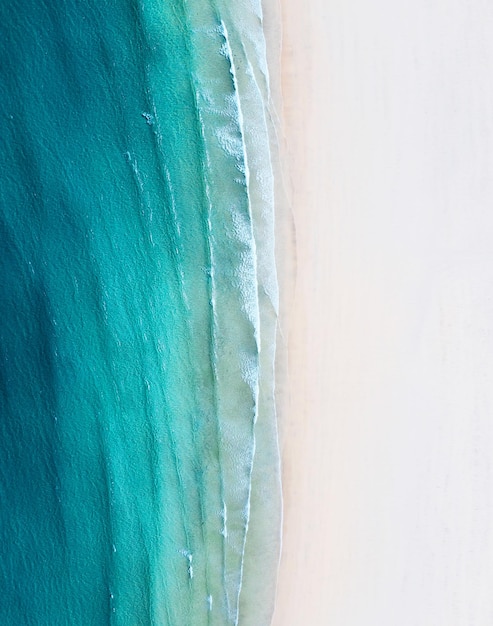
{"x":139,"y":460}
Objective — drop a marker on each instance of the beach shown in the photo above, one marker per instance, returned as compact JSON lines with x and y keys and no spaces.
{"x":224,"y":259}
{"x":386,"y":413}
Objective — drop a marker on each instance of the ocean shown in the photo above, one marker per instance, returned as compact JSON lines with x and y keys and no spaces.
{"x":139,"y":463}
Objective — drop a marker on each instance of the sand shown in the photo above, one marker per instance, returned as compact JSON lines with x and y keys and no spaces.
{"x":386,"y":433}
{"x":302,"y":580}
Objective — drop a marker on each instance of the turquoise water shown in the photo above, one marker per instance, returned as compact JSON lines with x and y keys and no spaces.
{"x":139,"y":479}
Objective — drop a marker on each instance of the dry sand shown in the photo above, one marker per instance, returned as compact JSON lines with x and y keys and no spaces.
{"x":388,"y":434}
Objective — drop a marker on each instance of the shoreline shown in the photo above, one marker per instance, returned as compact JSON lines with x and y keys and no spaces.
{"x":291,"y":58}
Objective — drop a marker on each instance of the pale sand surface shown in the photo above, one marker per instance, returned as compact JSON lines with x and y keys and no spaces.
{"x":387,"y":439}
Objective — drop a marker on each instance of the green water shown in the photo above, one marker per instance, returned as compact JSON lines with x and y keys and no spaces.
{"x":133,"y":309}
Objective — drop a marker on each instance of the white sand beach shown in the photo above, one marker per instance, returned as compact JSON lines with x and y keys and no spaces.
{"x":387,"y":438}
